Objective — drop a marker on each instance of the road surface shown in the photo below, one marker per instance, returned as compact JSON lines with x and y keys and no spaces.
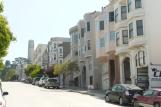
{"x":26,"y":95}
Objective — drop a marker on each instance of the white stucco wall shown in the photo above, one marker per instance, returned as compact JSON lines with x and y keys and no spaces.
{"x":153,"y":29}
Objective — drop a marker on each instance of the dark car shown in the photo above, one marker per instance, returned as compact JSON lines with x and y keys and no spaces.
{"x":151,"y":98}
{"x":122,"y":93}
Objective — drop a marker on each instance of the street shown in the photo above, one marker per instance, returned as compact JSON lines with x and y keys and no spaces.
{"x":26,"y":95}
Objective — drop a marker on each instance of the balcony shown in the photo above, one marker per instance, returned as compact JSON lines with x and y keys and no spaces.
{"x":137,"y":42}
{"x":111,"y":47}
{"x":135,"y":13}
{"x":88,"y":53}
{"x":122,"y":49}
{"x":120,"y":24}
{"x":81,"y":58}
{"x":101,"y":54}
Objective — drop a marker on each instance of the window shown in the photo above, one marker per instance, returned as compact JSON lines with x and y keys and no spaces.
{"x":89,"y":45}
{"x":116,"y":15}
{"x":91,"y":80}
{"x":149,"y":93}
{"x":141,"y":55}
{"x":102,"y":42}
{"x":82,"y":32}
{"x":123,"y":13}
{"x":61,"y":61}
{"x":88,"y":26}
{"x":129,"y":5}
{"x":117,"y":39}
{"x":114,"y":88}
{"x":139,"y":27}
{"x":112,"y":35}
{"x":101,"y":25}
{"x":136,"y":60}
{"x":60,"y":50}
{"x":130,"y":30}
{"x":125,"y":36}
{"x":111,"y":16}
{"x":138,"y":4}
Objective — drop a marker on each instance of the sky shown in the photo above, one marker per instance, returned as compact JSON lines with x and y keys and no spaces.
{"x":40,"y":20}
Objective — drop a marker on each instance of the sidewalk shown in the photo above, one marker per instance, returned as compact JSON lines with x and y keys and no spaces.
{"x":97,"y":93}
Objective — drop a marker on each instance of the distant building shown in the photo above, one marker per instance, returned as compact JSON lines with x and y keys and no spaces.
{"x":58,"y":49}
{"x":30,"y":50}
{"x":38,"y":54}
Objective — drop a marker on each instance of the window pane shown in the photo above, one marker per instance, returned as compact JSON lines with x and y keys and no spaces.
{"x":82,"y":32}
{"x":117,"y":39}
{"x":101,"y":25}
{"x":139,"y":27}
{"x":123,"y":13}
{"x":88,"y":26}
{"x":112,"y":35}
{"x":129,"y":5}
{"x":116,"y":15}
{"x":89,"y":45}
{"x":125,"y":36}
{"x":111,"y":16}
{"x":138,"y":4}
{"x":130,"y":30}
{"x":102,"y":42}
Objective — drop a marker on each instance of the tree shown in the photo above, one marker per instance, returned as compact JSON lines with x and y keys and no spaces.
{"x":29,"y":69}
{"x":36,"y":71}
{"x":10,"y":74}
{"x":6,"y":35}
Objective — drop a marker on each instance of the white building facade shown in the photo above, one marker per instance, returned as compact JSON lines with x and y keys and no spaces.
{"x":38,"y":54}
{"x":137,"y":30}
{"x":58,"y":48}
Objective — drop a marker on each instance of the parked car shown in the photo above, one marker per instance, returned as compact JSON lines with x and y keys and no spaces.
{"x":122,"y":93}
{"x":42,"y":81}
{"x":51,"y":82}
{"x":35,"y":81}
{"x":150,"y":98}
{"x":2,"y":99}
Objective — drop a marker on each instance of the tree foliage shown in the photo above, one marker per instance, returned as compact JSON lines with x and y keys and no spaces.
{"x":6,"y":35}
{"x":10,"y":74}
{"x":33,"y":70}
{"x":67,"y":67}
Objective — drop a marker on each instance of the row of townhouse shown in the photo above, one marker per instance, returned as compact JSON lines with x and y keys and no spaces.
{"x":47,"y":55}
{"x":120,"y":44}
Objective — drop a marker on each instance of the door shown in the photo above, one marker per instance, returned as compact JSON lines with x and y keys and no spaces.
{"x":119,"y":92}
{"x":113,"y":93}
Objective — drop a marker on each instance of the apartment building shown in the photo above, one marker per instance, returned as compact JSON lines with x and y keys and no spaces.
{"x":136,"y":26}
{"x":58,"y":49}
{"x":74,"y":35}
{"x":89,"y":75}
{"x":38,"y":54}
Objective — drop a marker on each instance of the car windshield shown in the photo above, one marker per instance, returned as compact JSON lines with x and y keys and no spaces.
{"x":52,"y":80}
{"x":132,"y":87}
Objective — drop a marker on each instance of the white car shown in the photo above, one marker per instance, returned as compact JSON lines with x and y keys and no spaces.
{"x":2,"y":99}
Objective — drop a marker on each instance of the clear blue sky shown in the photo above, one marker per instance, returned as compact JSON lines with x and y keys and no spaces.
{"x":42,"y":19}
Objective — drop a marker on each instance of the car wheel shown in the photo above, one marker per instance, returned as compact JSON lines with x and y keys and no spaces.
{"x":120,"y":101}
{"x":107,"y":99}
{"x":135,"y":103}
{"x":156,"y":105}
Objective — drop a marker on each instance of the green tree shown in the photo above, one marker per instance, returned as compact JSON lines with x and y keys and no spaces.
{"x":6,"y":36}
{"x":72,"y":66}
{"x":36,"y":71}
{"x":10,"y":74}
{"x":29,"y":69}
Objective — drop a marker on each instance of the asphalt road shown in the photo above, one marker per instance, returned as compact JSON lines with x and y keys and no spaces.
{"x":26,"y":95}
